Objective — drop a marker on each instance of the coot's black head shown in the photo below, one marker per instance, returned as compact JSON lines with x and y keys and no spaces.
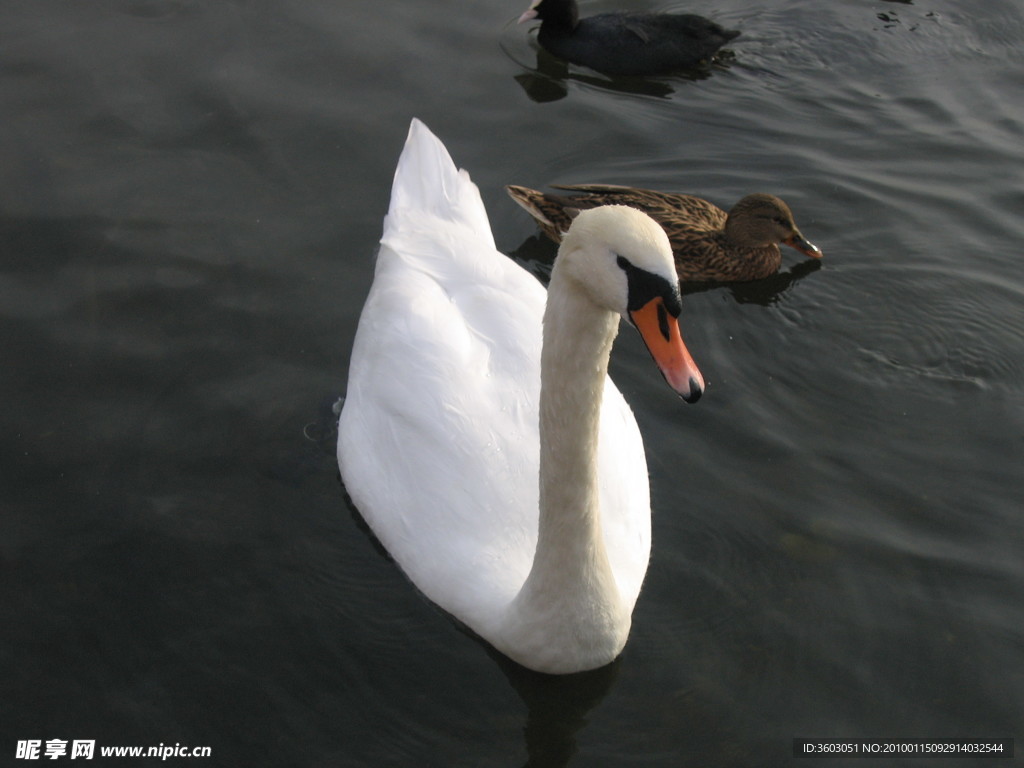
{"x":560,"y":14}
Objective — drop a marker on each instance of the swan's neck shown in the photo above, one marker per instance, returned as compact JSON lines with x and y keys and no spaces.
{"x":577,"y":342}
{"x":570,"y":601}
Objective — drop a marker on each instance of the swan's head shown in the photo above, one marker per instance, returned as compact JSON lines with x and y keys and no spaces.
{"x":622,"y":259}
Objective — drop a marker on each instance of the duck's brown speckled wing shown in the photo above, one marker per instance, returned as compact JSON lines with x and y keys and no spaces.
{"x":553,"y":213}
{"x":693,"y":225}
{"x":681,"y":212}
{"x":709,"y":258}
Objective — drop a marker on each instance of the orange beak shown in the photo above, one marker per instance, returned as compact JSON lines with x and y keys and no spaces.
{"x":802,"y":244}
{"x":660,"y":332}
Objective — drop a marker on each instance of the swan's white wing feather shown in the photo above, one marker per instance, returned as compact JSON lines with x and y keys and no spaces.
{"x":625,"y":493}
{"x":438,"y":438}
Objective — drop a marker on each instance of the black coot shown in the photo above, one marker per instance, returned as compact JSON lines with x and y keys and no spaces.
{"x":622,"y":43}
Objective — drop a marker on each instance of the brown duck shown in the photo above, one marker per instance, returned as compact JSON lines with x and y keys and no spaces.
{"x":708,"y":243}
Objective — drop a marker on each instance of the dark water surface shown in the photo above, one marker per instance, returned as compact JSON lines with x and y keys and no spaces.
{"x":190,"y":199}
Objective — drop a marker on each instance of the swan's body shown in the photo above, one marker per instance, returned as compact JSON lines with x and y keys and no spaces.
{"x":454,"y":450}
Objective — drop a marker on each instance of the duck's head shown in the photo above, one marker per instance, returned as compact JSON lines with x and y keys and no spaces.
{"x":621,"y":258}
{"x":760,"y":220}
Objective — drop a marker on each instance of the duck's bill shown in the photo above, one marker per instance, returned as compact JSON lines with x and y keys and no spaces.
{"x":803,"y":245}
{"x":660,"y":332}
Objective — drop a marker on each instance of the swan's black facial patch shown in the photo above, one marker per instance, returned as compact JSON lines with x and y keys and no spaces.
{"x":644,"y":286}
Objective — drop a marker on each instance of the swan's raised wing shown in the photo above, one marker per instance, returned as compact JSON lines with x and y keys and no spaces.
{"x":438,"y":439}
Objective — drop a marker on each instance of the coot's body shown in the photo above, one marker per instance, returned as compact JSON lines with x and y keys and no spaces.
{"x":636,"y":44}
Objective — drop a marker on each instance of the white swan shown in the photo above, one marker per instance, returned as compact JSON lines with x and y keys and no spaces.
{"x":506,"y":475}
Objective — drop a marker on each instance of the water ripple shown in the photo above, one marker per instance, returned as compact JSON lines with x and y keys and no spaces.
{"x":932,"y":327}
